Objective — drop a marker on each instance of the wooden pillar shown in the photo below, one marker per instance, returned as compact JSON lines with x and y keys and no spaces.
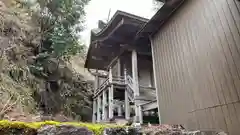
{"x":98,"y":108}
{"x":110,"y":75}
{"x":110,"y":95}
{"x":94,"y":111}
{"x":127,"y":107}
{"x":110,"y":102}
{"x":95,"y":101}
{"x":119,"y":109}
{"x":125,"y":74}
{"x":126,"y":100}
{"x":118,"y":67}
{"x":103,"y":106}
{"x":138,"y":111}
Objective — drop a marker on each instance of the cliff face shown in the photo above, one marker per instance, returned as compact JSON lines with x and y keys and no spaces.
{"x":67,"y":89}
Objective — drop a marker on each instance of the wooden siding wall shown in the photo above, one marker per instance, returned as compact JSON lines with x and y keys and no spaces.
{"x":197,"y":65}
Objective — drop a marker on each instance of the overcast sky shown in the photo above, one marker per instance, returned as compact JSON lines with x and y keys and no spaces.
{"x":99,"y":9}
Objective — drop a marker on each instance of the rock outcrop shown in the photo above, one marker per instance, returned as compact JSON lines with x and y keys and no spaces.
{"x":76,"y":128}
{"x":159,"y":131}
{"x":63,"y":130}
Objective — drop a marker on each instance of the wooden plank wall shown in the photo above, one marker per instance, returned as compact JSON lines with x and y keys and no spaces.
{"x":197,"y":65}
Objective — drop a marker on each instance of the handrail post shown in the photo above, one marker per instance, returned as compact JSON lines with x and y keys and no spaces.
{"x":125,"y":75}
{"x":110,"y":75}
{"x":98,"y":108}
{"x":127,"y":107}
{"x":104,"y":117}
{"x":110,"y":95}
{"x":94,"y":111}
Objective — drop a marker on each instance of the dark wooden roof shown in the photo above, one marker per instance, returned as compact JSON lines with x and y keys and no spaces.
{"x":106,"y":44}
{"x":125,"y":28}
{"x":162,"y":15}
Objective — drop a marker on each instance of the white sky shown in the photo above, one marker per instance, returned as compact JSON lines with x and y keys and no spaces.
{"x":99,"y":9}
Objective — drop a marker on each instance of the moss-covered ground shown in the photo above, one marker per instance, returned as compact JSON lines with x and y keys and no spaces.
{"x":29,"y":128}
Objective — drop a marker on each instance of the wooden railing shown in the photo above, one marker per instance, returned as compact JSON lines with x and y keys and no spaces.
{"x":102,"y":86}
{"x":130,"y":93}
{"x":129,"y":87}
{"x":129,"y":83}
{"x":118,"y":80}
{"x":148,"y":91}
{"x":115,"y":80}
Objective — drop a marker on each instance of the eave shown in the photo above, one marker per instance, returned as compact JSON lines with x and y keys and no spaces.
{"x":117,"y":17}
{"x":159,"y":19}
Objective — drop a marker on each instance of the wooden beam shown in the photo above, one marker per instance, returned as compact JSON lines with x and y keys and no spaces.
{"x":140,"y":50}
{"x":118,"y":40}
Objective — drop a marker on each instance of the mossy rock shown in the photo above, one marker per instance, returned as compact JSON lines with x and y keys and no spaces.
{"x":18,"y":131}
{"x":64,"y":130}
{"x":23,"y":128}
